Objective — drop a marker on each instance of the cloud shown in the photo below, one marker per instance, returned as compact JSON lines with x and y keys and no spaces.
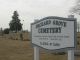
{"x":32,"y":9}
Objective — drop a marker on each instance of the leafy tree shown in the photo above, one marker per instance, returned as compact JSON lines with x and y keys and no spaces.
{"x":15,"y":24}
{"x":6,"y":31}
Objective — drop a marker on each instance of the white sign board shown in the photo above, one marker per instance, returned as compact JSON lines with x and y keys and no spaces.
{"x":54,"y":33}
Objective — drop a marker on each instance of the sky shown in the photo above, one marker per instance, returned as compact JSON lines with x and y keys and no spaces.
{"x":30,"y":10}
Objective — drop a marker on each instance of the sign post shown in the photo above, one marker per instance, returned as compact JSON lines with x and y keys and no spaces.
{"x":54,"y":33}
{"x":36,"y":53}
{"x":71,"y":55}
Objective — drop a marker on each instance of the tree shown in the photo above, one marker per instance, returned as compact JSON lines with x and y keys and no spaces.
{"x":1,"y":31}
{"x":15,"y":24}
{"x":6,"y":31}
{"x":76,"y":8}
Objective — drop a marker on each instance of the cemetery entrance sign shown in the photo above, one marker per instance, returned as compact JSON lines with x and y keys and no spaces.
{"x":54,"y":33}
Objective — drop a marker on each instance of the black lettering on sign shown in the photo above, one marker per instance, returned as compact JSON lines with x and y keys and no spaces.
{"x":43,"y":23}
{"x":59,"y":23}
{"x":49,"y":44}
{"x":50,"y":30}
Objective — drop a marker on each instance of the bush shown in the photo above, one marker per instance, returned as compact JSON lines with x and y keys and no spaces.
{"x":59,"y":53}
{"x":6,"y":31}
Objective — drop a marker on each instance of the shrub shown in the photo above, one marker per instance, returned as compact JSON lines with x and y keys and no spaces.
{"x":59,"y":53}
{"x":6,"y":31}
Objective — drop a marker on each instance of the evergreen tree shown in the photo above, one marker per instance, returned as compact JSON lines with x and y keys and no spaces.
{"x":15,"y":24}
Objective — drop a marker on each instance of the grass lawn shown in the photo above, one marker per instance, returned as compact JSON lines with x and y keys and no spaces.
{"x":22,"y":50}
